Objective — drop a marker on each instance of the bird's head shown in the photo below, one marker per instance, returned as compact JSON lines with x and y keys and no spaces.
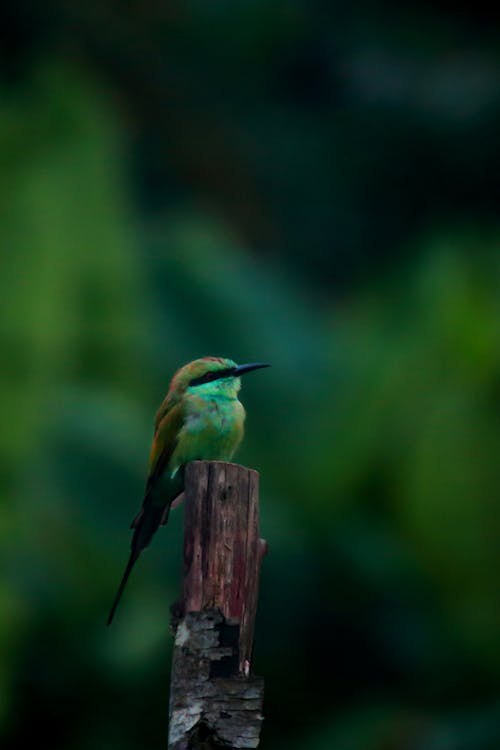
{"x":210,"y":375}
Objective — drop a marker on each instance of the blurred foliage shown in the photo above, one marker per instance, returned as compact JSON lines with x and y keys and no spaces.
{"x":302,"y":184}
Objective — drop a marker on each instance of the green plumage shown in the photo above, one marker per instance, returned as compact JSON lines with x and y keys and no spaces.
{"x":200,"y":418}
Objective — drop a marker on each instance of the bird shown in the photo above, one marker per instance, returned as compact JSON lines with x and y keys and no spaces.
{"x":200,"y":418}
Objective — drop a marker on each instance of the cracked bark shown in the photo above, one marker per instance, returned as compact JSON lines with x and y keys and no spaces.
{"x":215,"y":700}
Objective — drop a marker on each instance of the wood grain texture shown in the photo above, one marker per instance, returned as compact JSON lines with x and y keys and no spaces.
{"x":215,"y":701}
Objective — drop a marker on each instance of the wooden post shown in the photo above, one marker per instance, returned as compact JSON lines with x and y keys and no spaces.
{"x":215,"y":700}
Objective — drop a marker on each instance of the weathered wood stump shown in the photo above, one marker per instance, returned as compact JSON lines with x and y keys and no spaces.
{"x":215,"y":701}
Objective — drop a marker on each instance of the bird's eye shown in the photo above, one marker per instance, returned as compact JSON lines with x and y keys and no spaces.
{"x":213,"y":375}
{"x":206,"y":378}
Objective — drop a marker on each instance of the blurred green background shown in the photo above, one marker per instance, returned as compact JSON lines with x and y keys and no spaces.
{"x":306,"y":183}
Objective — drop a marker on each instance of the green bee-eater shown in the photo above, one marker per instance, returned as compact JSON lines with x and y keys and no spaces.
{"x":200,"y":418}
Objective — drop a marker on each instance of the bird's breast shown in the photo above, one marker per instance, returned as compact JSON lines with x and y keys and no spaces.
{"x":213,"y":428}
{"x":215,"y":416}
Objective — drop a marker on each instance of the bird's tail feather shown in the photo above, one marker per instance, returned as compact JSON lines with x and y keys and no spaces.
{"x":131,"y":562}
{"x":145,"y":524}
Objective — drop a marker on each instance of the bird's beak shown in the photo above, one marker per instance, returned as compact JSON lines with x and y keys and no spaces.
{"x":242,"y":369}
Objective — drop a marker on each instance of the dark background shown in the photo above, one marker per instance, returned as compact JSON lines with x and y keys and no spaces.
{"x":306,"y":183}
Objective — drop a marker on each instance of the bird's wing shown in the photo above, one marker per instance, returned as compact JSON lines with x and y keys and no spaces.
{"x":167,"y":405}
{"x":165,"y":440}
{"x":155,"y":506}
{"x":164,"y":444}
